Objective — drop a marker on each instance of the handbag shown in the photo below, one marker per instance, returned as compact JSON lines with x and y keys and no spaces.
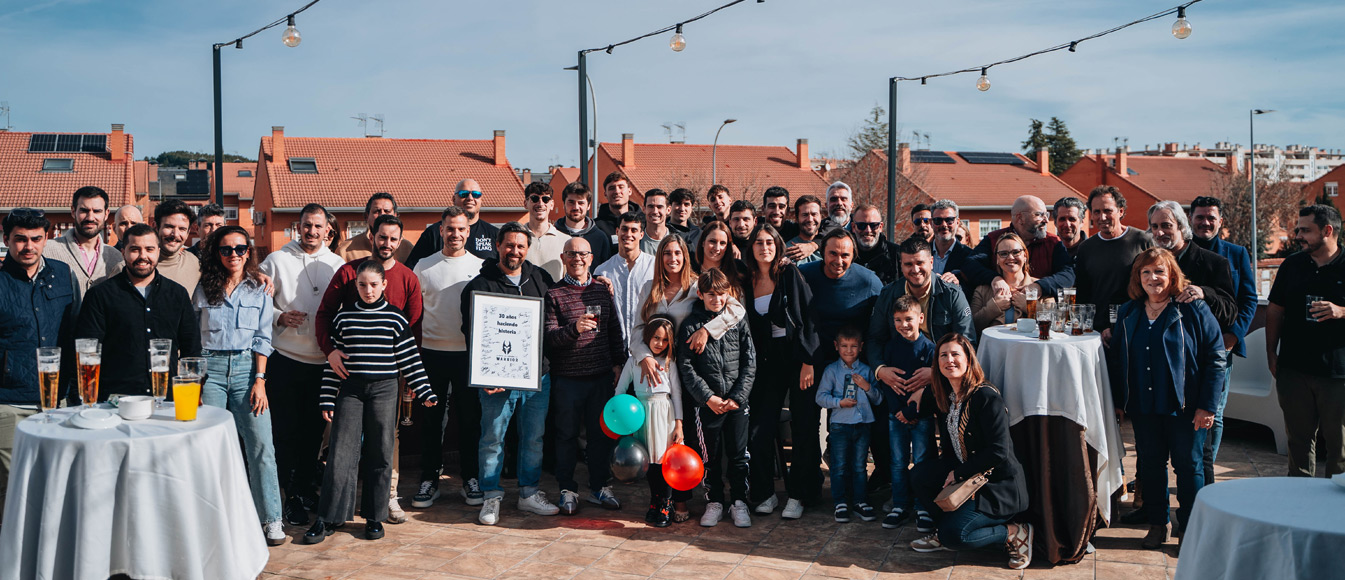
{"x":957,"y":493}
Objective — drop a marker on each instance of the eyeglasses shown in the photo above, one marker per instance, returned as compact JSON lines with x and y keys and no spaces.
{"x":920,"y":221}
{"x":578,"y":254}
{"x":239,"y":250}
{"x":943,"y":220}
{"x":1014,"y":253}
{"x":1041,"y":214}
{"x":868,"y":225}
{"x":466,"y":192}
{"x":533,"y":198}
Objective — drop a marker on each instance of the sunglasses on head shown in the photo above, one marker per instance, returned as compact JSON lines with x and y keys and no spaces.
{"x":943,"y":220}
{"x":27,"y":212}
{"x":534,"y":198}
{"x":868,"y":225}
{"x":476,"y":194}
{"x":239,"y":250}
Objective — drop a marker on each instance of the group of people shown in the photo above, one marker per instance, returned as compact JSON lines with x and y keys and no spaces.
{"x":715,"y":325}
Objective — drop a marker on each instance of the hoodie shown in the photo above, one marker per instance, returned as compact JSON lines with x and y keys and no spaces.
{"x":533,"y":281}
{"x":608,"y":221}
{"x":300,"y":280}
{"x":598,"y":240}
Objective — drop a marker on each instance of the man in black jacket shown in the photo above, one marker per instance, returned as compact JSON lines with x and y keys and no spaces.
{"x":874,"y":251}
{"x":618,"y":190}
{"x":948,"y":253}
{"x":127,"y":310}
{"x":1209,"y":274}
{"x":511,"y":274}
{"x":480,"y":238}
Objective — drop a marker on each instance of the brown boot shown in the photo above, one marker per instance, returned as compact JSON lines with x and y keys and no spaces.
{"x":1155,"y":538}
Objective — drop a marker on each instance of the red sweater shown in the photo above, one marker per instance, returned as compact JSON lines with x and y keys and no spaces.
{"x":403,"y":291}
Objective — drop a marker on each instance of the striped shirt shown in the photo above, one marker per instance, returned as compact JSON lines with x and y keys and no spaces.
{"x":378,"y":343}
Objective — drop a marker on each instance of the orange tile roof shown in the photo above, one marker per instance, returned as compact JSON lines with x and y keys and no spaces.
{"x":747,"y":170}
{"x":1180,"y":179}
{"x":417,"y":172}
{"x":142,"y":177}
{"x":985,"y":184}
{"x":569,"y":174}
{"x":23,"y":184}
{"x":233,"y":184}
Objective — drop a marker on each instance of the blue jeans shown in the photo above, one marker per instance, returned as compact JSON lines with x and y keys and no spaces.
{"x":1216,"y":433}
{"x":849,"y":447}
{"x":228,"y":386}
{"x":531,"y":408}
{"x":966,"y":528}
{"x":1158,"y":437}
{"x":910,"y":444}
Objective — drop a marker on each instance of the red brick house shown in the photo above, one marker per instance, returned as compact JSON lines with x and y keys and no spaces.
{"x":42,"y":170}
{"x":1146,"y":180}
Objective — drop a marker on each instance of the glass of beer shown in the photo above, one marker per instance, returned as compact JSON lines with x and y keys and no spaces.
{"x":160,"y":350}
{"x":1032,"y":294}
{"x":595,"y":312}
{"x":48,"y":379}
{"x":83,"y":345}
{"x":1070,"y":293}
{"x":1044,"y":323}
{"x":90,"y":367}
{"x":186,"y":397}
{"x":408,"y":397}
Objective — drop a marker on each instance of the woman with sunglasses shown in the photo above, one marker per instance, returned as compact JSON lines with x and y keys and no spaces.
{"x":990,"y":307}
{"x":235,"y":320}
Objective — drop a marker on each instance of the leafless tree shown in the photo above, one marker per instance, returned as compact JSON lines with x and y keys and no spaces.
{"x":1277,"y":202}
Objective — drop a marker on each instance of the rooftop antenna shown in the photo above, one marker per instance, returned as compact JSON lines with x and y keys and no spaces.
{"x":676,"y":131}
{"x":4,"y":110}
{"x":378,"y":118}
{"x":364,"y":123}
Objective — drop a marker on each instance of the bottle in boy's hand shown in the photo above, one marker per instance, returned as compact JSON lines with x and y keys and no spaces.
{"x":850,"y":392}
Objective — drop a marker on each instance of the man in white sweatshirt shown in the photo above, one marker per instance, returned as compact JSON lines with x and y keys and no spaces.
{"x":301,"y":271}
{"x":443,"y":350}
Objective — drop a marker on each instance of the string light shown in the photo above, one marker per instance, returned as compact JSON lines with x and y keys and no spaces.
{"x":1181,"y":28}
{"x":679,"y":42}
{"x":291,"y":36}
{"x":983,"y":83}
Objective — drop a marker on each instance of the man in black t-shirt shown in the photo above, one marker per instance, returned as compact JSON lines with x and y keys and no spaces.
{"x":480,"y":239}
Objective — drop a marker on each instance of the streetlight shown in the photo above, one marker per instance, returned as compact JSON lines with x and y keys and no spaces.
{"x":714,"y":150}
{"x":1251,"y":174}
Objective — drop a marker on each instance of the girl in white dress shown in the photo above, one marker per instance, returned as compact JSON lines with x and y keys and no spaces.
{"x":663,"y":412}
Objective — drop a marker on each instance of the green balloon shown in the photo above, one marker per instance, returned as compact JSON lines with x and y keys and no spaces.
{"x":624,"y":414}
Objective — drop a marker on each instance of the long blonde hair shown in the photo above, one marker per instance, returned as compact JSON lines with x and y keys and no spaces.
{"x":683,"y":280}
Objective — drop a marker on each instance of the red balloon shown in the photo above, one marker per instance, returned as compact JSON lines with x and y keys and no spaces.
{"x":603,"y":423}
{"x":682,"y":467}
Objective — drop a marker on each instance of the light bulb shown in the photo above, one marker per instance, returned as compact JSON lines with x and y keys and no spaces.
{"x":983,"y":83}
{"x":1181,"y":28}
{"x":291,"y":36}
{"x":678,"y":42}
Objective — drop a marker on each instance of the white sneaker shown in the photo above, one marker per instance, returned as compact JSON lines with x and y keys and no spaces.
{"x":537,"y":503}
{"x":793,"y":509}
{"x":490,"y":511}
{"x":275,"y":533}
{"x":714,"y":511}
{"x":769,"y":505}
{"x":742,"y":517}
{"x":395,"y":513}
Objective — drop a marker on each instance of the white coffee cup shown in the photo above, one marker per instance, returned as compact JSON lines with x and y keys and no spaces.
{"x":135,"y":407}
{"x":1027,"y":325}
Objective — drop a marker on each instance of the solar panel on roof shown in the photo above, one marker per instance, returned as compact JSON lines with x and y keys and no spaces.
{"x":69,"y":143}
{"x":930,"y":157}
{"x":94,"y":144}
{"x":990,"y":158}
{"x":42,"y":143}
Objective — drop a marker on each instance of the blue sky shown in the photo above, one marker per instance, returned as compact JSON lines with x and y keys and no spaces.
{"x":785,"y":69}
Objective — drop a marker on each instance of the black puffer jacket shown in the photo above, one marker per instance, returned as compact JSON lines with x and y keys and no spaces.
{"x":726,"y":368}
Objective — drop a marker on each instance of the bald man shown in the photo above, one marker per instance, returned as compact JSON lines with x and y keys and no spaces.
{"x":1048,"y":259}
{"x":126,"y":216}
{"x":481,"y":241}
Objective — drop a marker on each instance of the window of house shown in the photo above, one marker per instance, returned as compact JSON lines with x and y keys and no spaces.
{"x":245,"y":173}
{"x":303,"y":165}
{"x":231,"y":214}
{"x":1332,"y":189}
{"x":58,"y":165}
{"x":355,"y":229}
{"x":987,"y":226}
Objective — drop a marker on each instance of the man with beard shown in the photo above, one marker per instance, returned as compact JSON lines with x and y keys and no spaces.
{"x":947,"y":250}
{"x":126,"y":311}
{"x":302,"y":270}
{"x":1207,"y":223}
{"x":775,"y":211}
{"x":511,"y":274}
{"x":379,"y":204}
{"x":802,"y":248}
{"x":1047,"y":258}
{"x":840,"y":202}
{"x":742,"y":218}
{"x":37,"y":309}
{"x":547,"y":240}
{"x":402,"y":291}
{"x":656,"y":211}
{"x":921,"y":223}
{"x":1104,"y":259}
{"x":720,"y":201}
{"x":1069,"y":213}
{"x":618,"y":190}
{"x":208,"y":219}
{"x":467,"y":195}
{"x":123,"y":219}
{"x":576,"y":223}
{"x":173,"y":220}
{"x":875,"y":252}
{"x":682,"y":205}
{"x":81,"y":248}
{"x":1305,"y":342}
{"x":1207,"y":271}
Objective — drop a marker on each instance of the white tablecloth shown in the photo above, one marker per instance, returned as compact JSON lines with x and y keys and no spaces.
{"x":1062,"y":377}
{"x":1269,"y":527}
{"x":150,"y":499}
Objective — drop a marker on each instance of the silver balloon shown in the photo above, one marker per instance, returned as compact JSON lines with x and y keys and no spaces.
{"x":630,"y":460}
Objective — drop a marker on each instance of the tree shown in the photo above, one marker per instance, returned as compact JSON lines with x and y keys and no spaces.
{"x":1277,"y":202}
{"x":1055,"y":138}
{"x":184,"y":158}
{"x":871,"y":134}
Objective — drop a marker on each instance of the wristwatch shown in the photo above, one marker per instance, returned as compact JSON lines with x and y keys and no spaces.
{"x":260,"y":376}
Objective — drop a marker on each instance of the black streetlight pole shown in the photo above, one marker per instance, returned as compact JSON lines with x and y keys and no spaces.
{"x":583,"y":120}
{"x":891,"y":158}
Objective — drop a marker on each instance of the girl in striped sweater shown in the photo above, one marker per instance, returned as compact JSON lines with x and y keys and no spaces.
{"x":375,"y":341}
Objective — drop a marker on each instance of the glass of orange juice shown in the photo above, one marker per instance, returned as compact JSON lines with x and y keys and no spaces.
{"x":186,"y":397}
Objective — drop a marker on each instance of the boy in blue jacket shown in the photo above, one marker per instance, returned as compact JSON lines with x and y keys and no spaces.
{"x":847,"y":388}
{"x":906,"y":353}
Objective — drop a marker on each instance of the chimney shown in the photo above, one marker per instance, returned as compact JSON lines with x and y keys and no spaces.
{"x":526,"y":177}
{"x":804,"y":162}
{"x":500,"y":160}
{"x":1232,"y":163}
{"x":628,"y":150}
{"x":278,"y":144}
{"x":1121,"y":163}
{"x":1170,"y":149}
{"x":1044,"y":160}
{"x":116,"y":142}
{"x":903,"y":157}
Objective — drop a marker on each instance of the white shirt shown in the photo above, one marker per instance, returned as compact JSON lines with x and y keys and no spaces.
{"x":628,"y":282}
{"x":300,"y":279}
{"x":441,"y":282}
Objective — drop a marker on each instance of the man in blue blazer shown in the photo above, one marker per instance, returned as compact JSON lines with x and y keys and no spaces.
{"x":1207,"y":222}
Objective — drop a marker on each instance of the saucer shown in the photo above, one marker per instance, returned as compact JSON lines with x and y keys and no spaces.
{"x":95,"y":419}
{"x":1338,"y":479}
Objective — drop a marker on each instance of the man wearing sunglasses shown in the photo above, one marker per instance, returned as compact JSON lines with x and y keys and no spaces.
{"x":481,"y":238}
{"x":921,"y":225}
{"x":1047,"y":256}
{"x":874,"y":251}
{"x":81,"y":247}
{"x":947,"y":251}
{"x":547,"y":241}
{"x":362,"y":246}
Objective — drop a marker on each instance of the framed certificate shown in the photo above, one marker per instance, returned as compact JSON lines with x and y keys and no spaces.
{"x":506,"y":345}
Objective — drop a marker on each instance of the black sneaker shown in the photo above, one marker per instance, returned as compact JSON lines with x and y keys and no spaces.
{"x":924,"y":524}
{"x":429,"y":491}
{"x":843,"y":513}
{"x":320,"y":531}
{"x":894,"y":519}
{"x":651,"y":516}
{"x":866,"y":512}
{"x":373,"y":530}
{"x":294,"y":512}
{"x":664,"y":517}
{"x":471,"y":492}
